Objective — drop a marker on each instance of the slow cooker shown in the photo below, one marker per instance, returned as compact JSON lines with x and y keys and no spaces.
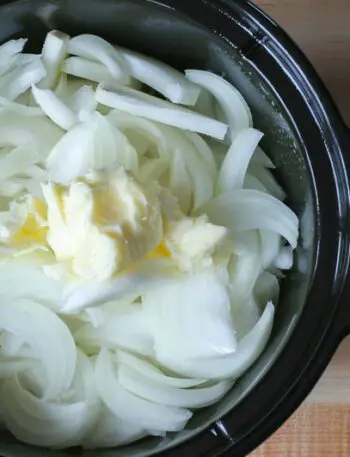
{"x":310,"y":144}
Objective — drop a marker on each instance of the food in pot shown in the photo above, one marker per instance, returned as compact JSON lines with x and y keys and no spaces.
{"x":142,"y":239}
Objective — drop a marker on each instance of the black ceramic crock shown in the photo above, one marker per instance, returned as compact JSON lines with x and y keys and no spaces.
{"x":308,"y":141}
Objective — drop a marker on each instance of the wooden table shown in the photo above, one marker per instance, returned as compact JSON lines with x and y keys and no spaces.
{"x":321,"y":426}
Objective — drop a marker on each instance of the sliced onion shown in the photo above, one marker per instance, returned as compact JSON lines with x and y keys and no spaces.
{"x":125,"y":328}
{"x":38,"y":133}
{"x":9,"y":367}
{"x":83,"y":102}
{"x":261,"y":158}
{"x":72,"y":155}
{"x":153,"y":170}
{"x":111,"y":431}
{"x":267,"y":179}
{"x":203,"y":185}
{"x":17,"y":161}
{"x":21,"y":78}
{"x":242,"y":210}
{"x":18,"y":108}
{"x":31,"y":283}
{"x":235,"y":108}
{"x":144,"y":105}
{"x":112,"y":148}
{"x":54,"y":108}
{"x":56,"y":424}
{"x":148,"y":370}
{"x":53,"y":54}
{"x":206,"y":104}
{"x":150,"y":274}
{"x":87,"y":69}
{"x":231,"y":366}
{"x":253,"y":183}
{"x":171,"y":396}
{"x":244,"y":271}
{"x":131,"y":408}
{"x":50,"y":339}
{"x":204,"y":151}
{"x":190,"y":318}
{"x":180,"y":184}
{"x":9,"y":52}
{"x":235,"y":164}
{"x":284,"y":260}
{"x":246,"y":315}
{"x":97,"y":49}
{"x":270,"y":245}
{"x":34,"y":421}
{"x":266,"y":288}
{"x":93,"y":145}
{"x":161,"y":77}
{"x":150,"y":132}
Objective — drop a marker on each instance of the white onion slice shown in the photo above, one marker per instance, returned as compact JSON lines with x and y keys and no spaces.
{"x":54,"y":51}
{"x":34,"y":421}
{"x":71,"y":156}
{"x":244,"y":271}
{"x":261,"y":158}
{"x":87,"y":69}
{"x":266,"y":288}
{"x":9,"y":367}
{"x":180,"y":184}
{"x":171,"y":396}
{"x":58,"y":424}
{"x":17,"y":162}
{"x":54,"y":108}
{"x":150,"y":275}
{"x":148,"y":370}
{"x":190,"y":318}
{"x":18,"y":108}
{"x":270,"y":246}
{"x":93,"y":145}
{"x":203,"y":184}
{"x":49,"y":338}
{"x":38,"y":133}
{"x":149,"y":131}
{"x":284,"y":260}
{"x":31,"y":283}
{"x":161,"y":77}
{"x":245,"y":209}
{"x":9,"y":52}
{"x":83,"y":102}
{"x":235,"y":108}
{"x":149,"y":107}
{"x":21,"y":78}
{"x":131,"y":408}
{"x":204,"y":151}
{"x":231,"y":366}
{"x":125,"y":328}
{"x":95,"y":48}
{"x":267,"y":179}
{"x":235,"y":164}
{"x":111,"y":431}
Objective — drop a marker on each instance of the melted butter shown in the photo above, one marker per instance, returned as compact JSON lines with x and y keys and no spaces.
{"x":33,"y":230}
{"x":161,"y":251}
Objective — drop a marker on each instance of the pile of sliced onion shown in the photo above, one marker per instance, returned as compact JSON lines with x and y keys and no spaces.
{"x":103,"y":364}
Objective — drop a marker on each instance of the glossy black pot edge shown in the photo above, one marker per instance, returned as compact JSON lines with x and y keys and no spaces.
{"x":337,"y":322}
{"x":339,"y":326}
{"x":328,"y":117}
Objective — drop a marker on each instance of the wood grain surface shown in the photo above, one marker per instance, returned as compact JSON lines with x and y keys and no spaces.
{"x":321,"y":426}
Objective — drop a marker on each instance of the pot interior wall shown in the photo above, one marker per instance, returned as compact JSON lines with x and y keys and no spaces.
{"x":161,"y":32}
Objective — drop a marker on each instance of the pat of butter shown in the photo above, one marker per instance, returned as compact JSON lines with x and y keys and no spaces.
{"x":193,"y":242}
{"x":100,"y":229}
